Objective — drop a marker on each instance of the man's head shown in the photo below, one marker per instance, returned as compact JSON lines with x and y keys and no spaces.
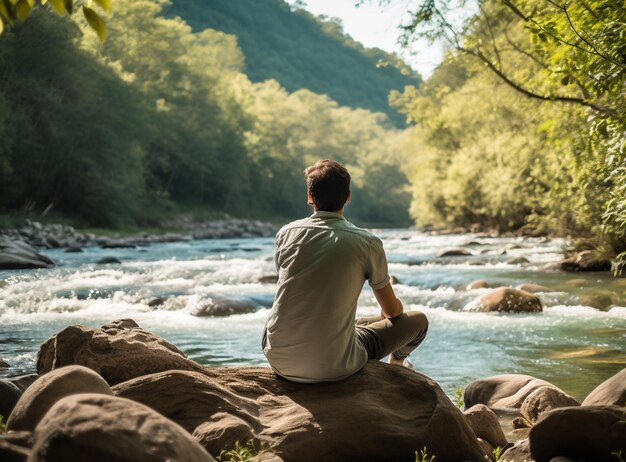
{"x":328,"y":185}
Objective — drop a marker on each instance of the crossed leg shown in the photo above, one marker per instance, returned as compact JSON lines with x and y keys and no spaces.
{"x":397,"y":336}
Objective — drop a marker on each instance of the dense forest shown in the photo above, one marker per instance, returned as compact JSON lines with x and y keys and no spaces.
{"x":524,"y":123}
{"x":160,"y":119}
{"x":300,"y":50}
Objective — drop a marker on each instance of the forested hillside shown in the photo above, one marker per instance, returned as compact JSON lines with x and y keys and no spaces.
{"x":301,"y":51}
{"x":159,"y":120}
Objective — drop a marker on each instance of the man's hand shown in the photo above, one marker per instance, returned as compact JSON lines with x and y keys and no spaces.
{"x":390,"y":305}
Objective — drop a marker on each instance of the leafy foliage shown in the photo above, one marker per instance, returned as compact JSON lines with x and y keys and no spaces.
{"x":423,"y":456}
{"x":243,"y":452}
{"x":523,"y":124}
{"x":19,"y":10}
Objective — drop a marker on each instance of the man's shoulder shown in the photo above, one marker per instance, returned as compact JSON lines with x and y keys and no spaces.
{"x":343,"y":225}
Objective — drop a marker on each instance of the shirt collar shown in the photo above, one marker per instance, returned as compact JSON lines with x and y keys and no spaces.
{"x":323,"y":214}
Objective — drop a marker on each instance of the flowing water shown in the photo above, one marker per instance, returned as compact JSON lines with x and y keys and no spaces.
{"x":571,"y":345}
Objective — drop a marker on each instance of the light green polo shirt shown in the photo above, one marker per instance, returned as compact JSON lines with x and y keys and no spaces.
{"x":322,"y":262}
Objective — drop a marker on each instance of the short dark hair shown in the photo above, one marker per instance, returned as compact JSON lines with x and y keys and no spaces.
{"x":329,"y":184}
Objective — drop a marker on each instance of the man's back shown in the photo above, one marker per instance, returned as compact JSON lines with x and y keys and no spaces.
{"x":322,"y":263}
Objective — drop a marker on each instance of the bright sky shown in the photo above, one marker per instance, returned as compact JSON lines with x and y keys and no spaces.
{"x":376,"y":26}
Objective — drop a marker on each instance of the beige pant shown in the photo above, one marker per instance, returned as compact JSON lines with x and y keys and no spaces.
{"x":397,"y":336}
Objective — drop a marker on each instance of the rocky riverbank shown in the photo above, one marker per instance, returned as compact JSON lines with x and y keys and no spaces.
{"x":120,"y":393}
{"x":18,"y":246}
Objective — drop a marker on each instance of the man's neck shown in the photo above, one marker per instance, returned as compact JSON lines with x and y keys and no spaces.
{"x":339,"y":212}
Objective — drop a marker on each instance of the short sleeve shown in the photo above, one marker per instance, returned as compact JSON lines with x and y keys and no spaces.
{"x":377,"y":271}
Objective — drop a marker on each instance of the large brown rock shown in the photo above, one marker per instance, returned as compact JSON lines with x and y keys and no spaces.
{"x":519,"y":452}
{"x":50,"y":388}
{"x":544,"y":399}
{"x":100,"y":428}
{"x":507,"y":299}
{"x":588,"y":433}
{"x":485,"y":425}
{"x":383,"y":412}
{"x":11,"y":390}
{"x":119,"y":351}
{"x":502,"y":391}
{"x":610,"y":392}
{"x":15,"y":446}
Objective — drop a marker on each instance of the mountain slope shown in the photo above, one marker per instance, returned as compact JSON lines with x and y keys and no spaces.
{"x":301,"y":51}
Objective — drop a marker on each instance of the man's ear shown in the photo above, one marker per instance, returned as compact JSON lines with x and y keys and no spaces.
{"x":309,"y":198}
{"x":349,"y":197}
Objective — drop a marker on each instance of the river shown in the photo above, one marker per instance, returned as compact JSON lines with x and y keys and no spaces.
{"x":571,"y":345}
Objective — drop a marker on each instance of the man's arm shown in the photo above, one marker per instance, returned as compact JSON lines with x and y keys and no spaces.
{"x":390,"y":305}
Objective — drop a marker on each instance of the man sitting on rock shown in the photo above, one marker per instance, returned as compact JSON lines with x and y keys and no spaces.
{"x":322,"y":263}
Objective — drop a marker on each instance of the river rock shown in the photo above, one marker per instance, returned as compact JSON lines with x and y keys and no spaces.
{"x":600,"y":301}
{"x":533,"y":288}
{"x":519,"y":452}
{"x":502,"y":391}
{"x":118,"y":351}
{"x":589,"y":433}
{"x":506,"y":299}
{"x":225,"y":307}
{"x":517,"y":261}
{"x":222,"y":427}
{"x":100,"y":428}
{"x":15,"y":446}
{"x":485,"y":425}
{"x":108,"y":261}
{"x":11,"y":390}
{"x":50,"y":388}
{"x":4,"y":364}
{"x":15,"y":254}
{"x":477,"y":284}
{"x":610,"y":392}
{"x":460,"y":252}
{"x":544,"y":399}
{"x":329,"y":421}
{"x":586,"y":260}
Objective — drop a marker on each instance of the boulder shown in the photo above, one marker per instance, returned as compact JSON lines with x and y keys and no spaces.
{"x":506,"y":299}
{"x":460,"y":252}
{"x":220,"y":428}
{"x":477,"y":284}
{"x":610,"y":392}
{"x":4,"y":364}
{"x":119,"y":351}
{"x":517,"y":261}
{"x":589,"y":433}
{"x":502,"y":391}
{"x":108,"y":261}
{"x":587,"y":260}
{"x":601,"y":301}
{"x":16,"y":254}
{"x":485,"y":425}
{"x":544,"y":399}
{"x":9,"y":396}
{"x":50,"y":388}
{"x":331,"y":421}
{"x":15,"y":446}
{"x":533,"y":288}
{"x":11,"y":390}
{"x":100,"y":428}
{"x":225,"y":307}
{"x":519,"y":452}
